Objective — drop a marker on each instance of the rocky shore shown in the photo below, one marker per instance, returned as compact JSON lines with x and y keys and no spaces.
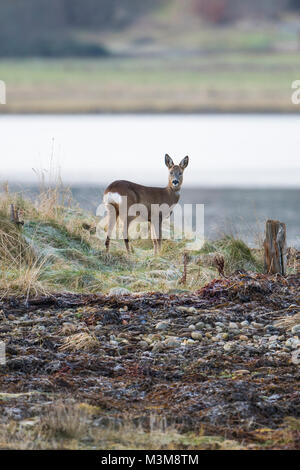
{"x":224,"y":359}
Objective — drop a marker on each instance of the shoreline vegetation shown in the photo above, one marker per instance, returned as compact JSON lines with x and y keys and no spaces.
{"x":121,"y":352}
{"x":261,"y":83}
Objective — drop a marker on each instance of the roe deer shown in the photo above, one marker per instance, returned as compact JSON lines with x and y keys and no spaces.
{"x":119,"y":193}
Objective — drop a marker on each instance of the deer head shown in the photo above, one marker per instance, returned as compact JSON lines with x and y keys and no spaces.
{"x":176,"y":172}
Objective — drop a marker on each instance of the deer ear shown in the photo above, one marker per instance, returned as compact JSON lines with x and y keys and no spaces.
{"x":168,"y":161}
{"x":184,"y":163}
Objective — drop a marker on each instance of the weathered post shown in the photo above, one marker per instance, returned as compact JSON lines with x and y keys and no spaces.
{"x":275,"y":248}
{"x":14,"y":216}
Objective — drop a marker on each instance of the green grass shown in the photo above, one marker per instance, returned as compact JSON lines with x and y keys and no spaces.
{"x":55,"y":251}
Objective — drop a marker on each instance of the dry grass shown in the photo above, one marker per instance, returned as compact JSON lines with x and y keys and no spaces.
{"x":289,"y":322}
{"x":70,"y":425}
{"x":58,"y":249}
{"x":84,"y":341}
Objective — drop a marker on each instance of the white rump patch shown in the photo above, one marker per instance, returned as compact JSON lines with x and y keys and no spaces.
{"x":112,"y":198}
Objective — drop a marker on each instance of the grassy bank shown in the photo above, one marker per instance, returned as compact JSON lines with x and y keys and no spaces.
{"x":180,"y":366}
{"x":58,"y":249}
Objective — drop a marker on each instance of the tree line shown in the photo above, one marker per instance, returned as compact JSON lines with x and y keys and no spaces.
{"x":48,"y":27}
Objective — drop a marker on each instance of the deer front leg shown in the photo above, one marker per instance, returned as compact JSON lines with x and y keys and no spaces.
{"x":125,"y":232}
{"x":112,"y":220}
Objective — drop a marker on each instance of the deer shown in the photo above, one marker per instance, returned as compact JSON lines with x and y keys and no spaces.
{"x":119,"y":191}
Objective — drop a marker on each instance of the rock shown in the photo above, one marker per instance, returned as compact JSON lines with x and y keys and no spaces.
{"x":187,"y":309}
{"x":229,"y":346}
{"x":233,"y":326}
{"x":242,"y":372}
{"x":158,"y":346}
{"x":118,"y":291}
{"x":257,"y":325}
{"x":296,"y":330}
{"x":143,"y":344}
{"x":208,"y":335}
{"x":200,"y":325}
{"x":189,"y":342}
{"x":192,"y":327}
{"x":243,"y":338}
{"x":98,"y":329}
{"x":172,"y":342}
{"x":273,"y":338}
{"x":162,"y":325}
{"x":225,"y":336}
{"x":244,"y":323}
{"x":296,"y":357}
{"x":293,"y":343}
{"x":273,"y":345}
{"x":196,"y":335}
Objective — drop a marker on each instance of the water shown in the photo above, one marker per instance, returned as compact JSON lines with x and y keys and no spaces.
{"x":225,"y":150}
{"x":228,"y":155}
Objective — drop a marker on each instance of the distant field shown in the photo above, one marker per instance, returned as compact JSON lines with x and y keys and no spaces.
{"x":218,"y":82}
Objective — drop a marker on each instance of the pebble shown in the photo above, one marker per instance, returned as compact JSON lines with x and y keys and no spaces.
{"x":233,"y":326}
{"x":229,"y":346}
{"x":296,"y":330}
{"x":242,"y":372}
{"x":243,"y":338}
{"x":172,"y":342}
{"x":196,"y":335}
{"x":162,"y":325}
{"x":244,"y":323}
{"x":187,"y":309}
{"x":118,"y":291}
{"x":296,"y":357}
{"x":200,"y":325}
{"x":257,"y":325}
{"x":293,"y":343}
{"x":192,"y":327}
{"x":158,"y":346}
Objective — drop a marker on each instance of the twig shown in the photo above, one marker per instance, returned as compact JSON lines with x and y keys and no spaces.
{"x":185,"y":262}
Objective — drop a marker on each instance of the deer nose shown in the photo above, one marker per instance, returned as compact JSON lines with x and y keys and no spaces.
{"x":175,"y":182}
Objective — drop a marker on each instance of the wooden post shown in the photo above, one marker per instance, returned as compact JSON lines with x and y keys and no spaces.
{"x":185,"y":262}
{"x":14,"y":216}
{"x":275,"y":248}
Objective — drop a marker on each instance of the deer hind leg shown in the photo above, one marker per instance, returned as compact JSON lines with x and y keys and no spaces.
{"x":154,"y":239}
{"x":113,"y":214}
{"x":125,"y":232}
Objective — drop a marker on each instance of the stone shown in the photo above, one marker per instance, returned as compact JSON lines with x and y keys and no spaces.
{"x":187,"y":309}
{"x":158,"y":346}
{"x":162,"y":325}
{"x":242,"y":372}
{"x":293,"y":343}
{"x":296,"y":357}
{"x":233,"y":326}
{"x":243,"y":338}
{"x":257,"y":325}
{"x":296,"y":330}
{"x":118,"y":291}
{"x":196,"y":335}
{"x":229,"y":346}
{"x":192,"y":327}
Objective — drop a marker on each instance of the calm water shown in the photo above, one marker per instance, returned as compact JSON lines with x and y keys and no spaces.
{"x":228,"y":154}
